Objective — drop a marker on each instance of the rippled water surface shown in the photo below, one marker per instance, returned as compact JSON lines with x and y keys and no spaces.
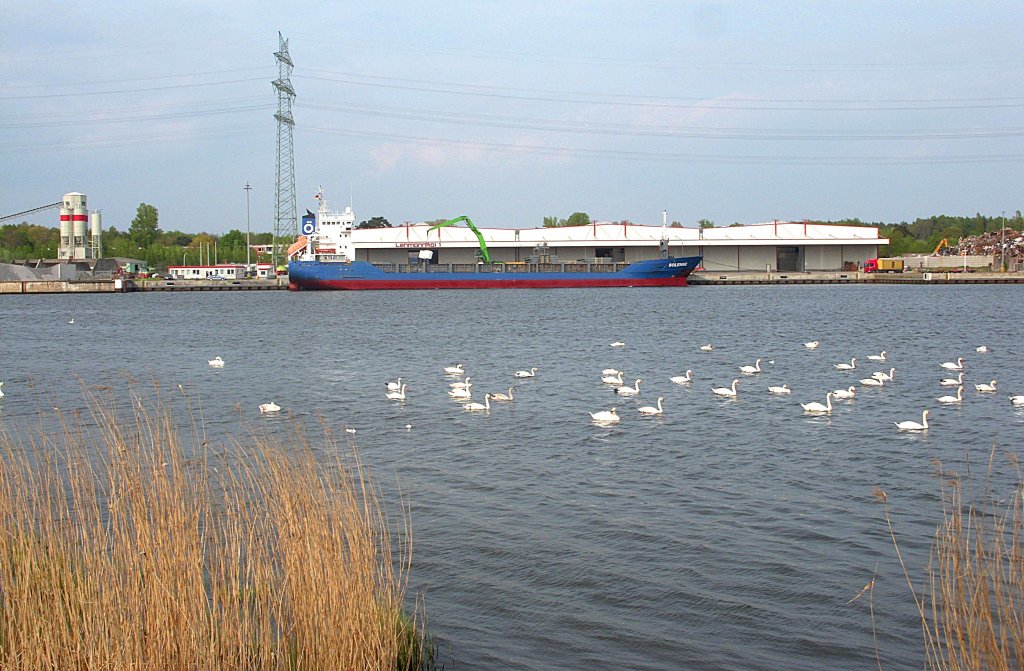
{"x":726,"y":534}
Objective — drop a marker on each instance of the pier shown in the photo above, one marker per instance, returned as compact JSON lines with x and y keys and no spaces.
{"x":128,"y":286}
{"x":734,"y":278}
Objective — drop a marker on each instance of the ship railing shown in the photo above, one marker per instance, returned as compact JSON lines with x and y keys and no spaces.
{"x":508,"y":267}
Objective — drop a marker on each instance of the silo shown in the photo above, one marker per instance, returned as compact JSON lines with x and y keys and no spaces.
{"x":79,"y":220}
{"x":65,"y":228}
{"x":96,"y":226}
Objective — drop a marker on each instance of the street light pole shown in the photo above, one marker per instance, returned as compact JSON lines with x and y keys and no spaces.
{"x":248,"y":247}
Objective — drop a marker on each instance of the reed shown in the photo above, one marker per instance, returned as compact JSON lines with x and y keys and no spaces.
{"x":128,"y":545}
{"x":972,"y":603}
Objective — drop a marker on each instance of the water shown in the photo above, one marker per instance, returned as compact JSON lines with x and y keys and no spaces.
{"x":725,"y":534}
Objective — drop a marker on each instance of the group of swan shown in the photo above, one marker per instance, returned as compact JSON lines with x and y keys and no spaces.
{"x":216,"y":362}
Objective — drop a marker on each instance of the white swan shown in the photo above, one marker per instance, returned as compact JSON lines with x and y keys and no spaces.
{"x":814,"y":406}
{"x":1,"y":390}
{"x":629,"y":391}
{"x":1014,"y":400}
{"x":269,"y":407}
{"x":784,"y":389}
{"x":981,"y":348}
{"x":877,"y":357}
{"x":475,"y":407}
{"x":953,"y":399}
{"x":883,"y":376}
{"x":526,"y":373}
{"x":872,"y":382}
{"x":605,"y":417}
{"x":949,"y":365}
{"x":613,"y":379}
{"x":394,"y":386}
{"x":617,"y":343}
{"x":504,"y":397}
{"x":726,"y":391}
{"x":71,"y":321}
{"x":398,"y":395}
{"x":953,"y":381}
{"x":706,"y":348}
{"x":651,"y":410}
{"x":846,"y":366}
{"x":812,"y":345}
{"x":216,"y":362}
{"x":464,"y":384}
{"x":463,"y":393}
{"x":986,"y":387}
{"x":849,"y":392}
{"x":683,"y":379}
{"x":750,"y":370}
{"x":457,"y":369}
{"x":611,"y":371}
{"x":914,"y":426}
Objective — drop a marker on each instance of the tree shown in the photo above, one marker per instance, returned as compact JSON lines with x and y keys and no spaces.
{"x":675,"y":224}
{"x":706,"y":223}
{"x":552,"y":222}
{"x":577,"y":219}
{"x":375,"y":222}
{"x":145,"y":226}
{"x":233,"y":238}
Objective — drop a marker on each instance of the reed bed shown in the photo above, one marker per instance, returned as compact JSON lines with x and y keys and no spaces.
{"x":125,"y":545}
{"x":972,"y":603}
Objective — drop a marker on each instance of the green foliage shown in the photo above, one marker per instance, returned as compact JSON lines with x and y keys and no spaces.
{"x":375,"y":222}
{"x":706,"y":223}
{"x":575,"y":219}
{"x":551,"y":222}
{"x":145,"y":226}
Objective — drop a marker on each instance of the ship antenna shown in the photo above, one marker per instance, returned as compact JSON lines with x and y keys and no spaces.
{"x":664,"y":234}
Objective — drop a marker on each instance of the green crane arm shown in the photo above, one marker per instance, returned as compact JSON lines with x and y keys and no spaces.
{"x":479,"y":236}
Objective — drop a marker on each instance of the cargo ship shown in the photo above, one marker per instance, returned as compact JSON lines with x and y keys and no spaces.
{"x":324,"y":258}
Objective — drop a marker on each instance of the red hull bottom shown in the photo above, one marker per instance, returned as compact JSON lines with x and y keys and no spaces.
{"x":560,"y":283}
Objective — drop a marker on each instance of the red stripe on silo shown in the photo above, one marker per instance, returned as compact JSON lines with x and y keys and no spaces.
{"x":79,"y":217}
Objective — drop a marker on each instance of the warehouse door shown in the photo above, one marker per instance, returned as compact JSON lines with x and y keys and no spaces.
{"x":787,"y":259}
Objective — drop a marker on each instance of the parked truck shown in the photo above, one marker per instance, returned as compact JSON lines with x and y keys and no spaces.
{"x":883,"y":266}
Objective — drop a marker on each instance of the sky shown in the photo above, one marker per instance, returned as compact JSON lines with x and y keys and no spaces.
{"x":510,"y":112}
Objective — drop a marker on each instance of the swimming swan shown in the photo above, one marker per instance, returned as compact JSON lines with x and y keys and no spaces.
{"x":914,"y":426}
{"x":849,"y":392}
{"x":526,"y":373}
{"x":706,"y":348}
{"x":617,"y":343}
{"x":1014,"y":400}
{"x":629,"y":391}
{"x":216,"y":362}
{"x":398,"y":395}
{"x":812,"y":345}
{"x":682,"y":379}
{"x":394,"y":386}
{"x":475,"y":407}
{"x":750,"y":370}
{"x":981,"y":348}
{"x":462,"y":393}
{"x":953,"y":399}
{"x":877,"y":357}
{"x":465,"y":384}
{"x":605,"y":417}
{"x":846,"y":366}
{"x":814,"y":406}
{"x":457,"y":369}
{"x":1,"y":390}
{"x":269,"y":407}
{"x":611,"y":371}
{"x":784,"y":389}
{"x":650,"y":410}
{"x":613,"y":379}
{"x":953,"y":381}
{"x":504,"y":397}
{"x":986,"y":387}
{"x":949,"y":365}
{"x":883,"y":376}
{"x":726,"y":391}
{"x":872,"y":382}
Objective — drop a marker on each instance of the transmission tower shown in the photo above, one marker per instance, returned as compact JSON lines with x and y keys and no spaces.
{"x":286,"y":223}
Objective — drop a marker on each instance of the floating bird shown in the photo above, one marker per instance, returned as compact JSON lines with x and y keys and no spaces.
{"x":986,"y":387}
{"x":784,"y":389}
{"x":726,"y":391}
{"x":750,"y":370}
{"x":394,"y":386}
{"x":682,"y":379}
{"x":814,"y":406}
{"x":463,"y":393}
{"x":476,"y":407}
{"x":398,"y":395}
{"x":953,"y":381}
{"x":981,"y":348}
{"x":877,"y":357}
{"x":872,"y":382}
{"x":216,"y":362}
{"x":457,"y":369}
{"x":706,"y":348}
{"x":269,"y":407}
{"x":883,"y":376}
{"x":526,"y":373}
{"x":465,"y":384}
{"x":408,"y":427}
{"x":846,"y":366}
{"x":605,"y":417}
{"x":1014,"y":400}
{"x":71,"y":321}
{"x":949,"y":365}
{"x":812,"y":345}
{"x":629,"y":391}
{"x":651,"y":410}
{"x":504,"y":397}
{"x":914,"y":426}
{"x":611,"y":371}
{"x":1,"y":390}
{"x":953,"y":399}
{"x":617,"y":343}
{"x":847,"y":393}
{"x":613,"y":379}
{"x":349,"y":430}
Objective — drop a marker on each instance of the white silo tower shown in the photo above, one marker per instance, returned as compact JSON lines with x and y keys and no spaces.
{"x":64,"y":251}
{"x":96,"y":226}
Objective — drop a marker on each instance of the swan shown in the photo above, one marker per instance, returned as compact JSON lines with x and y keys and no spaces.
{"x":398,"y":395}
{"x":872,"y":382}
{"x":979,"y":348}
{"x":269,"y":407}
{"x":465,"y":384}
{"x":883,"y":376}
{"x":457,"y":369}
{"x":71,"y":321}
{"x":750,"y":370}
{"x":1,"y":390}
{"x":605,"y":417}
{"x":526,"y":373}
{"x":503,"y":397}
{"x":726,"y":391}
{"x":953,"y":399}
{"x":812,"y":345}
{"x":1014,"y":400}
{"x":651,"y":410}
{"x":953,"y":381}
{"x":629,"y":391}
{"x":394,"y":386}
{"x":914,"y":426}
{"x":683,"y":379}
{"x":814,"y":406}
{"x":784,"y":389}
{"x":611,"y":371}
{"x":986,"y":387}
{"x":849,"y":392}
{"x":617,"y":343}
{"x":475,"y":407}
{"x":706,"y":348}
{"x":846,"y":366}
{"x":216,"y":362}
{"x":613,"y":379}
{"x":949,"y":365}
{"x":462,"y":393}
{"x":877,"y":357}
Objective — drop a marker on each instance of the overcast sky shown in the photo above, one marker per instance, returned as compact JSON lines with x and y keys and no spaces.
{"x":510,"y":112}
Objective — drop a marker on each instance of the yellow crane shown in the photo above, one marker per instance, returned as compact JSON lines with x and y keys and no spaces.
{"x":942,"y":243}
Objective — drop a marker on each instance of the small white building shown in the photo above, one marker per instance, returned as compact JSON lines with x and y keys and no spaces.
{"x":229,"y":271}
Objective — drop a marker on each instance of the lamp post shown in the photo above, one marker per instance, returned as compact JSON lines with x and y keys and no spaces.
{"x":1002,"y":245}
{"x":248,"y":247}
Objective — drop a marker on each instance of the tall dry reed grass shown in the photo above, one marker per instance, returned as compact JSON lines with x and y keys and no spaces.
{"x":126,"y":546}
{"x":972,"y":604}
